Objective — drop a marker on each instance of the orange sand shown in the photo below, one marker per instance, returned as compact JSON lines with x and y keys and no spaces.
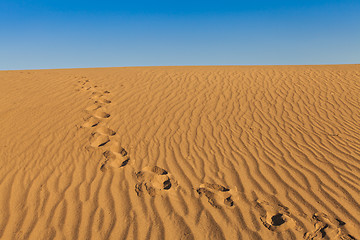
{"x":232,"y":152}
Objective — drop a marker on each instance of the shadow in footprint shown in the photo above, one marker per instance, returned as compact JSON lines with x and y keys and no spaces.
{"x":124,"y":163}
{"x":277,"y":219}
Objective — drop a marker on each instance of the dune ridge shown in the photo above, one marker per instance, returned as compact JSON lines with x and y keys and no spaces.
{"x":212,"y":152}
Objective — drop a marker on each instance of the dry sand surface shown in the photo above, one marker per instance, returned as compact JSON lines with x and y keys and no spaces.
{"x":232,"y":152}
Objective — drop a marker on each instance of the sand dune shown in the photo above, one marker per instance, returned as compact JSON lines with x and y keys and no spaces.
{"x":266,"y":152}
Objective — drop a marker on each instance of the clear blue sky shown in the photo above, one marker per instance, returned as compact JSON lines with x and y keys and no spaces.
{"x":70,"y":34}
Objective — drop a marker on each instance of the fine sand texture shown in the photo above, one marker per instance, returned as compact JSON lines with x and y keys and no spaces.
{"x":213,"y":152}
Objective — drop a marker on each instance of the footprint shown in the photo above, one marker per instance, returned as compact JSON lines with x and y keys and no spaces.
{"x":114,"y":160}
{"x":216,"y":194}
{"x":102,"y":100}
{"x":96,"y":95}
{"x":93,"y":107}
{"x":98,"y":140}
{"x":99,"y":113}
{"x":84,"y":82}
{"x":153,"y":180}
{"x":84,"y":88}
{"x":117,"y":148}
{"x":84,"y":85}
{"x":105,"y":131}
{"x":116,"y":157}
{"x":91,"y":122}
{"x":327,"y":227}
{"x":99,"y":98}
{"x":276,"y":218}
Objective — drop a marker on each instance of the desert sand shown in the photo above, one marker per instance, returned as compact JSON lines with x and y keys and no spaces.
{"x":213,"y":152}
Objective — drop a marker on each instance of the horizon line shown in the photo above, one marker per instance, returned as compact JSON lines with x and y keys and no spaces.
{"x":211,"y":65}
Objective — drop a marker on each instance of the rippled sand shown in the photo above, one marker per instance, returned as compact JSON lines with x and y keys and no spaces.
{"x":228,"y":152}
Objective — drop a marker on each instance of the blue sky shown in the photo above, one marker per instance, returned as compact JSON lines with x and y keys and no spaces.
{"x":72,"y":34}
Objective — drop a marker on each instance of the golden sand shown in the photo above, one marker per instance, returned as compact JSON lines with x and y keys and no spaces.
{"x":228,"y":152}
